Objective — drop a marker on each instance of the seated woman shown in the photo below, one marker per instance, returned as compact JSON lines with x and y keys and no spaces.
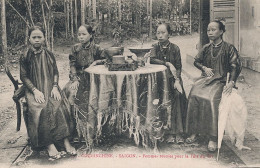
{"x":48,"y":119}
{"x":215,"y":60}
{"x":166,"y":53}
{"x":84,"y":55}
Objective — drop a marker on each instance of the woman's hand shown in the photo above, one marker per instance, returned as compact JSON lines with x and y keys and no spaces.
{"x":228,"y":88}
{"x":38,"y":96}
{"x":55,"y":93}
{"x":208,"y":71}
{"x":74,"y":85}
{"x":177,"y":85}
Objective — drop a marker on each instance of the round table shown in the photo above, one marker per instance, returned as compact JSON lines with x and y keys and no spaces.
{"x":133,"y":101}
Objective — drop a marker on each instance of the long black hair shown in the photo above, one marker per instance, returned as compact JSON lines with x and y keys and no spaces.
{"x":221,"y":24}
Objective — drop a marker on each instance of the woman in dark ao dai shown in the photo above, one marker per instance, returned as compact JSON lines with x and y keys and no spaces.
{"x":215,"y":60}
{"x":49,"y":118}
{"x":166,"y":53}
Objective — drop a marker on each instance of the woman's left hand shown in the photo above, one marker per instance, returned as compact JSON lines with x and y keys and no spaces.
{"x":55,"y":93}
{"x":177,"y":85}
{"x":228,"y":88}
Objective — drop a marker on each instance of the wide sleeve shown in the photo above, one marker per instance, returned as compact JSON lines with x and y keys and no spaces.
{"x":153,"y":56}
{"x":55,"y":71}
{"x":198,"y":60}
{"x":177,"y":61}
{"x":72,"y":60}
{"x":24,"y":74}
{"x":234,"y":62}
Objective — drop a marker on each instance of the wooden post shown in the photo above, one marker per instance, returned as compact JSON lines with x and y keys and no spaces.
{"x":3,"y":24}
{"x":204,"y":21}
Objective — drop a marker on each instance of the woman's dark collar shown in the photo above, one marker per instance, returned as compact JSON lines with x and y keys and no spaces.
{"x":164,"y":44}
{"x":86,"y":46}
{"x":218,"y":44}
{"x":36,"y":51}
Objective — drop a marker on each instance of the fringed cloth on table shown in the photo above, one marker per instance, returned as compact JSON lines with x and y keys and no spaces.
{"x":122,"y":121}
{"x":137,"y":104}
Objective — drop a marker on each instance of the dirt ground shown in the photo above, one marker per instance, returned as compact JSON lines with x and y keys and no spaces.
{"x":249,"y":91}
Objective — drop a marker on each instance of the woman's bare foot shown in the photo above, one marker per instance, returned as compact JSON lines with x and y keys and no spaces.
{"x":170,"y":139}
{"x":212,"y":146}
{"x":179,"y":139}
{"x":53,"y":152}
{"x":191,"y":139}
{"x":70,"y":149}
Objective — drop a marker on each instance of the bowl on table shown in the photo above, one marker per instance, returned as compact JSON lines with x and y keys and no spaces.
{"x":140,"y":52}
{"x":112,"y":51}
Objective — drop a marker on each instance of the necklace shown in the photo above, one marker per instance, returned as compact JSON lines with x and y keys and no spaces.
{"x":219,"y":52}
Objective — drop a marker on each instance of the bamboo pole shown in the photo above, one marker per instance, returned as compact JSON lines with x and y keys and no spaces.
{"x":82,"y":7}
{"x":76,"y":15}
{"x":151,"y":19}
{"x":71,"y":18}
{"x":94,"y":4}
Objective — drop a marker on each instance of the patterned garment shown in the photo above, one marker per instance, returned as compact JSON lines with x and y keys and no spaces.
{"x":80,"y":59}
{"x":48,"y":122}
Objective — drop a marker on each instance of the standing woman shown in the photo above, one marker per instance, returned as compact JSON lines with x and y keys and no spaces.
{"x":48,"y":115}
{"x":166,"y":53}
{"x":215,"y":60}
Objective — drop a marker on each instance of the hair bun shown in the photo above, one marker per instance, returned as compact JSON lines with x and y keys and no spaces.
{"x":222,"y":20}
{"x":39,"y":24}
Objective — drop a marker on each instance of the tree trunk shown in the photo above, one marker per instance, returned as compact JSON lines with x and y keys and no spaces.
{"x":94,"y":4}
{"x":119,"y":11}
{"x":51,"y":25}
{"x":3,"y":24}
{"x":89,"y":4}
{"x":147,"y":8}
{"x":151,"y":19}
{"x":65,"y":11}
{"x":29,"y":10}
{"x":26,"y":34}
{"x":76,"y":15}
{"x":45,"y":26}
{"x":71,"y":18}
{"x":68,"y":14}
{"x":140,"y":19}
{"x":82,"y":7}
{"x":109,"y":12}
